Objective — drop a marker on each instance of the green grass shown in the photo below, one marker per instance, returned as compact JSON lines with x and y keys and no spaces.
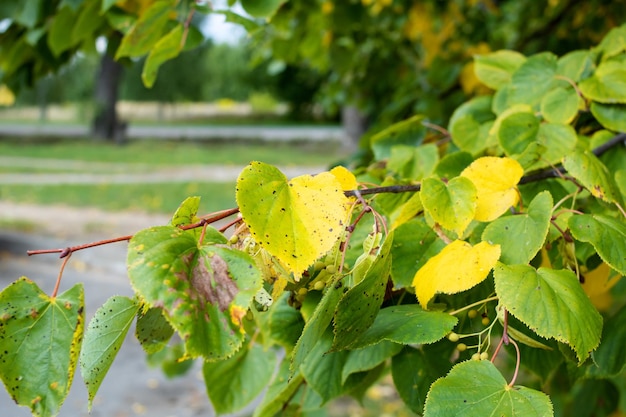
{"x":152,"y":198}
{"x":159,"y":152}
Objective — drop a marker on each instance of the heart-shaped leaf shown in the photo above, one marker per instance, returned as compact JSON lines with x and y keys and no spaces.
{"x":296,"y":221}
{"x":452,"y":205}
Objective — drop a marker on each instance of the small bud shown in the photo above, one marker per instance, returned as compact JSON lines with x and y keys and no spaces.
{"x":472,"y":314}
{"x":319,"y":285}
{"x":461,"y":347}
{"x":453,"y":337}
{"x":484,"y":356}
{"x":486,"y":321}
{"x":476,"y":357}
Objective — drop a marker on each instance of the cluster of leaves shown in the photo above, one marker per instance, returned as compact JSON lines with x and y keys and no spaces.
{"x":42,"y":36}
{"x":505,"y":229}
{"x":396,"y":58}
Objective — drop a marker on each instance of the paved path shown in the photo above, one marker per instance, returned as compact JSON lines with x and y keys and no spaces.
{"x":262,"y":133}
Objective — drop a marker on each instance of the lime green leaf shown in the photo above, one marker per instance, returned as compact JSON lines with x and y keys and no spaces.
{"x":611,"y":116}
{"x":477,"y":389}
{"x":409,"y":132}
{"x":261,"y":8}
{"x":40,"y":339}
{"x":407,"y":211}
{"x":466,"y":124}
{"x":367,"y":358}
{"x":413,"y":163}
{"x":458,"y":267}
{"x":560,"y":105}
{"x":318,"y":323}
{"x":613,"y":43}
{"x":495,"y":69}
{"x":89,"y":21}
{"x":322,"y":369}
{"x":153,"y":330}
{"x":607,"y":235}
{"x":565,"y":313}
{"x":59,"y":37}
{"x":296,"y":221}
{"x":451,"y":205}
{"x":516,"y":129}
{"x":249,"y":25}
{"x":235,"y":382}
{"x":186,"y":213}
{"x":280,"y":392}
{"x":407,"y":324}
{"x":414,"y":243}
{"x":106,"y":5}
{"x":610,"y":357}
{"x":556,"y":140}
{"x":168,"y":47}
{"x":495,"y":180}
{"x":530,"y":231}
{"x":532,"y":80}
{"x":104,"y":336}
{"x":592,"y":174}
{"x":146,"y":32}
{"x":608,"y":87}
{"x":575,"y":65}
{"x":358,"y":307}
{"x":204,"y":290}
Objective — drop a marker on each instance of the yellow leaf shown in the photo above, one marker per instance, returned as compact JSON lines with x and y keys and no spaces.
{"x":7,"y":98}
{"x":295,"y":221}
{"x":495,"y":180}
{"x":458,"y":267}
{"x":345,"y":178}
{"x":598,"y":283}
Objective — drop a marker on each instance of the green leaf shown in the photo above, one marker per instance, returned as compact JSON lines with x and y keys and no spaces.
{"x":322,"y":369}
{"x":407,"y":324}
{"x":204,"y":290}
{"x":608,"y":87}
{"x":73,"y":4}
{"x":104,"y":336}
{"x":452,"y":205}
{"x":106,"y":5}
{"x":358,"y":307}
{"x":153,"y":330}
{"x":40,"y":339}
{"x":367,"y":358}
{"x":147,"y":31}
{"x":556,"y":140}
{"x":261,"y":8}
{"x":89,"y":21}
{"x":413,"y":163}
{"x":296,"y":221}
{"x":611,"y":116}
{"x":532,"y":80}
{"x":592,"y":174}
{"x":530,"y":231}
{"x":477,"y":389}
{"x":516,"y":129}
{"x":560,"y":105}
{"x":467,"y":124}
{"x":495,"y":69}
{"x":613,"y":43}
{"x":235,"y":382}
{"x":453,"y":164}
{"x":318,"y":323}
{"x":285,"y":323}
{"x":565,"y":312}
{"x":575,"y":65}
{"x":30,"y":12}
{"x":409,"y":132}
{"x":280,"y":392}
{"x":610,"y":357}
{"x":607,"y":235}
{"x":168,"y":47}
{"x":249,"y":25}
{"x":414,"y":243}
{"x":171,"y":360}
{"x":59,"y":37}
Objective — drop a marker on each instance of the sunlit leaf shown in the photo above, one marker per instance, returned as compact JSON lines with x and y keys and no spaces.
{"x":233,"y":383}
{"x":495,"y":180}
{"x":560,"y":105}
{"x":147,"y":31}
{"x":168,"y":47}
{"x":477,"y":389}
{"x":530,"y":231}
{"x":346,"y":178}
{"x":204,"y":290}
{"x":607,"y":235}
{"x":458,"y":267}
{"x":103,"y":338}
{"x":296,"y":221}
{"x":567,"y":315}
{"x":408,"y":325}
{"x":452,"y":205}
{"x":592,"y":174}
{"x":495,"y":69}
{"x":575,"y":65}
{"x":608,"y":87}
{"x":40,"y":339}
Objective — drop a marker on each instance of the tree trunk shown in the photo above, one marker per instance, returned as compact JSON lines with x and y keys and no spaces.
{"x":354,"y":124}
{"x":107,"y":125}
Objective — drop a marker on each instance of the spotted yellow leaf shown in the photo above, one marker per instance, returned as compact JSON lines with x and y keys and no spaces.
{"x":296,"y":221}
{"x":495,"y":180}
{"x":345,"y":178}
{"x":458,"y":267}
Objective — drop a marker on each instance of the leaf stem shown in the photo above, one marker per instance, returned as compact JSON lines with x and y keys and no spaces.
{"x":517,"y":362}
{"x":467,"y":307}
{"x":58,"y":283}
